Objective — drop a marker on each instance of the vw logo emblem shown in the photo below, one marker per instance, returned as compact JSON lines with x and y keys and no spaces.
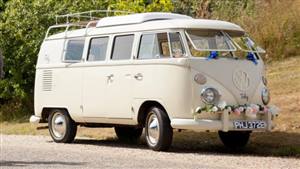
{"x":241,"y":80}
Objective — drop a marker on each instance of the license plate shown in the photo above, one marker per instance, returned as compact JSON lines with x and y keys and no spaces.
{"x":243,"y":124}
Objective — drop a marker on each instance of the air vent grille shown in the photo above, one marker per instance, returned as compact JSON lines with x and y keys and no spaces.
{"x":47,"y":80}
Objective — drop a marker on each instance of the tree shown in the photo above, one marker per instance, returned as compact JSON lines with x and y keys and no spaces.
{"x":2,"y":5}
{"x":225,"y":9}
{"x":230,"y":10}
{"x":1,"y":66}
{"x":139,"y":6}
{"x":194,"y":8}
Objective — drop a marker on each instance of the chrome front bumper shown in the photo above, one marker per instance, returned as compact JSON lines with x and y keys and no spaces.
{"x":224,"y":124}
{"x":34,"y":119}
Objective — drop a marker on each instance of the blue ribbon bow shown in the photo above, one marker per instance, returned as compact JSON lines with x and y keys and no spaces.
{"x":212,"y":55}
{"x":250,"y":56}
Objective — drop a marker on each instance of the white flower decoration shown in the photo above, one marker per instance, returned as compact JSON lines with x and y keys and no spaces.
{"x":229,"y":109}
{"x":198,"y":109}
{"x":222,"y":105}
{"x":214,"y":109}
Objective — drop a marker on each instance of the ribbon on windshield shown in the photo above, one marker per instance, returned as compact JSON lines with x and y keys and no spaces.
{"x":250,"y":56}
{"x":212,"y":55}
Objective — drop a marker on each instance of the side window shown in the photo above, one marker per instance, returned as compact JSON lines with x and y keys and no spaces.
{"x":98,"y":48}
{"x":122,"y":47}
{"x":74,"y":50}
{"x":154,"y":46}
{"x":148,"y":47}
{"x":163,"y":42}
{"x":176,"y":45}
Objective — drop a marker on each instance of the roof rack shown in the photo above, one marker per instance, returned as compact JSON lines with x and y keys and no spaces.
{"x":91,"y":15}
{"x":85,"y":19}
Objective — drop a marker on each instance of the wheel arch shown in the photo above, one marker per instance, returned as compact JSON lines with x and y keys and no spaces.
{"x":143,"y":110}
{"x":47,"y":110}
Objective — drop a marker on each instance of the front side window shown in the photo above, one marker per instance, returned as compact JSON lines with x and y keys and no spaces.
{"x":153,"y":46}
{"x":246,"y":44}
{"x":176,"y":45}
{"x":74,"y":50}
{"x":98,"y":48}
{"x":122,"y":47}
{"x":217,"y":43}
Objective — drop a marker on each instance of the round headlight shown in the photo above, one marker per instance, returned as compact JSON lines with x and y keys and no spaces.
{"x":265,"y":96}
{"x":210,"y":95}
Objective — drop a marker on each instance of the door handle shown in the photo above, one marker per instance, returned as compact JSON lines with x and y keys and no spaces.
{"x":110,"y":77}
{"x":138,"y":76}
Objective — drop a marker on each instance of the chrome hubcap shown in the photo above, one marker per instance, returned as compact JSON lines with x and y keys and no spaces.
{"x":59,"y":125}
{"x":153,"y":129}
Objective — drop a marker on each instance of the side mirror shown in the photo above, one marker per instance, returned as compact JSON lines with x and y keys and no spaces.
{"x":260,"y":50}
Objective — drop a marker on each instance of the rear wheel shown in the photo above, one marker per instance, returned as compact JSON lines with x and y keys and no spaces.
{"x":235,"y":139}
{"x":129,"y":134}
{"x":158,"y":130}
{"x":61,"y":127}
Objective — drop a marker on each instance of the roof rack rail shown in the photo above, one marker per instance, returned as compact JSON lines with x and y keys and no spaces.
{"x":85,"y":19}
{"x":91,"y":15}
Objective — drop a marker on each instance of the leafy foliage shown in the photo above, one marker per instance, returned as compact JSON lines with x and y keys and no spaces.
{"x":229,"y":10}
{"x":225,"y":9}
{"x":139,"y":6}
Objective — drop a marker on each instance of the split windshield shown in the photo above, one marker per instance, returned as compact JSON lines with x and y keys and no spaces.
{"x":210,"y":40}
{"x":216,"y":43}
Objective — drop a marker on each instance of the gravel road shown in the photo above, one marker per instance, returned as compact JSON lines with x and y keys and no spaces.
{"x":41,"y":152}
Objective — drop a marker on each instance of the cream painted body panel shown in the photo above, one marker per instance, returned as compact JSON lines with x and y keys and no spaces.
{"x":107,"y":91}
{"x":166,"y":81}
{"x":220,"y":74}
{"x":65,"y":92}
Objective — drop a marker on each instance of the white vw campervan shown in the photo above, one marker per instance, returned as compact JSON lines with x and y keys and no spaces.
{"x":158,"y":71}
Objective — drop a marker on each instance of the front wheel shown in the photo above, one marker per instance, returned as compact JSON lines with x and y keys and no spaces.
{"x":61,"y":127}
{"x":158,"y":130}
{"x":235,"y":139}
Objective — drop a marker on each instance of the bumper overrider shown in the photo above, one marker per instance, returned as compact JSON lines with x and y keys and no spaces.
{"x":250,"y":117}
{"x":34,"y":119}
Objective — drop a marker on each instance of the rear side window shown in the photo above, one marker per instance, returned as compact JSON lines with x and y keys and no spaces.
{"x":74,"y":50}
{"x":98,"y":48}
{"x":154,"y":46}
{"x":122,"y":47}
